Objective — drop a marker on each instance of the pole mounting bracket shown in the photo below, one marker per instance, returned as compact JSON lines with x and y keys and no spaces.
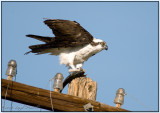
{"x":88,"y":107}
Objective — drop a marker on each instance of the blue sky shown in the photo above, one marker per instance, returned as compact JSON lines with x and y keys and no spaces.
{"x":129,"y":28}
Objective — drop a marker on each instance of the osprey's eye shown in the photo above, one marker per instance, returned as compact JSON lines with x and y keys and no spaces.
{"x":102,"y":43}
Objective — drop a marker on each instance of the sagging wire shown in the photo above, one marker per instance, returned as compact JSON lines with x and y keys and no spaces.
{"x":50,"y":92}
{"x":139,"y":102}
{"x":51,"y":96}
{"x":5,"y":96}
{"x":11,"y":94}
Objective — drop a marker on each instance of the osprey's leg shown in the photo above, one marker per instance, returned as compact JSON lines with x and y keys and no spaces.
{"x":72,"y":68}
{"x":79,"y":67}
{"x":76,"y":69}
{"x":71,"y":64}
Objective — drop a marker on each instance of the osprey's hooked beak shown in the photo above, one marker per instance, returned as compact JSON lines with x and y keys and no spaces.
{"x":106,"y":47}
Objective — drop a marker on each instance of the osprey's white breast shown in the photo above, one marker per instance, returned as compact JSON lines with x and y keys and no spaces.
{"x":79,"y":54}
{"x":86,"y":52}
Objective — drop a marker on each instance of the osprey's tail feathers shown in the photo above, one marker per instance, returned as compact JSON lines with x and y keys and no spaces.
{"x":44,"y":48}
{"x":38,"y":48}
{"x":41,"y":38}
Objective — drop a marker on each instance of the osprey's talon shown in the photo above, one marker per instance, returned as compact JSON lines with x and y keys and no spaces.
{"x":76,"y":70}
{"x":72,"y":70}
{"x":81,"y":69}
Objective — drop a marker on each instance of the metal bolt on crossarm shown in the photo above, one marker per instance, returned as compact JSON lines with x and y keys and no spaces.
{"x":11,"y":70}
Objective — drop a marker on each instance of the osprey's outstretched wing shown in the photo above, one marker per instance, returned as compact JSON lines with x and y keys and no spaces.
{"x":67,"y":34}
{"x":69,"y":31}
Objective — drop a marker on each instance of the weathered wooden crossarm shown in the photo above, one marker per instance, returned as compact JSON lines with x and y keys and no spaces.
{"x":38,"y":97}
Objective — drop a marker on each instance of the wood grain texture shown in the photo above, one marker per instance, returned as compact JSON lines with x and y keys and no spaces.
{"x":83,"y":87}
{"x":38,"y":97}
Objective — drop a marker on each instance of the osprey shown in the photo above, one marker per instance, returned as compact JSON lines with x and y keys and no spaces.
{"x":72,"y":43}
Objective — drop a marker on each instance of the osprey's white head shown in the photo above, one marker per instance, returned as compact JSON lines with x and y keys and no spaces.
{"x":100,"y":44}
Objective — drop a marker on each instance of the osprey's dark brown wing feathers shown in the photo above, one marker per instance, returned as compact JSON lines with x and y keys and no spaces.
{"x":41,"y":38}
{"x":67,"y":34}
{"x":66,"y":30}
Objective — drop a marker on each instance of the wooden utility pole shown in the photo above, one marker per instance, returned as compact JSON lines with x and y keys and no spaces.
{"x":83,"y":87}
{"x":38,"y":97}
